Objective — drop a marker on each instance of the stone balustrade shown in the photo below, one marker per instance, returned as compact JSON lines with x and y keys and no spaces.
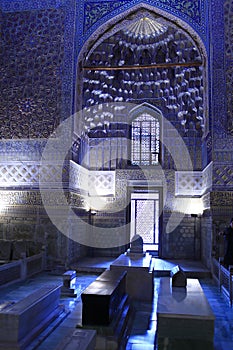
{"x":223,"y":276}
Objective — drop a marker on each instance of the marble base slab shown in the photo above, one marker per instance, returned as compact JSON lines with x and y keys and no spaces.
{"x":184,"y":344}
{"x":140,"y":275}
{"x":135,"y":255}
{"x":184,"y":314}
{"x":68,"y":292}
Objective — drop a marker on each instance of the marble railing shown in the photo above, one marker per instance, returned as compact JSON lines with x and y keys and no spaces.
{"x":33,"y":174}
{"x":29,"y":174}
{"x":94,"y":183}
{"x":193,"y":183}
{"x":21,"y":269}
{"x":223,"y":277}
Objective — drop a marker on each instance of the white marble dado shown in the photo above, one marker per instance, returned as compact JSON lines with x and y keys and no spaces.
{"x":140,"y":275}
{"x":184,"y":316}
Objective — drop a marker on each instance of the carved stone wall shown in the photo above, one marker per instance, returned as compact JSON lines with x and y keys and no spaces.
{"x":24,"y":218}
{"x":222,"y":143}
{"x":228,"y":20}
{"x":178,"y":91}
{"x":39,"y":51}
{"x":98,"y":12}
{"x":207,"y":240}
{"x":184,"y":241}
{"x":31,"y":79}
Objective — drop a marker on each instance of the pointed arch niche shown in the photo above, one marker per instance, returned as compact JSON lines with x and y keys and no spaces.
{"x":144,"y":55}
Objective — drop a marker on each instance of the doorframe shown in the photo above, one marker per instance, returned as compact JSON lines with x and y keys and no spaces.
{"x":140,"y":187}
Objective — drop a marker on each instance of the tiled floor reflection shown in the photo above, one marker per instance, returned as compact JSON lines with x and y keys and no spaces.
{"x":223,"y":339}
{"x":143,"y":332}
{"x":67,"y":321}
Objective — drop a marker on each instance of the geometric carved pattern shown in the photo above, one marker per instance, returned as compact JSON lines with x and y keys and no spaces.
{"x":78,"y":177}
{"x":101,"y":183}
{"x":229,"y":82}
{"x":188,"y":183}
{"x":95,"y":183}
{"x":16,"y":174}
{"x":145,"y":220}
{"x":228,"y":13}
{"x":28,"y":174}
{"x":221,"y":199}
{"x":31,"y":80}
{"x":96,"y":10}
{"x":193,"y":182}
{"x":223,"y":176}
{"x":179,"y":91}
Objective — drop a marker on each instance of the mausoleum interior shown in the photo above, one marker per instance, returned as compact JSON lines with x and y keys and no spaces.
{"x":116,"y":174}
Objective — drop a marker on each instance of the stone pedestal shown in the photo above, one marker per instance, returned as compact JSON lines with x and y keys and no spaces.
{"x":185,"y":318}
{"x":140,"y":275}
{"x":68,"y":288}
{"x":106,"y":309}
{"x":102,"y":298}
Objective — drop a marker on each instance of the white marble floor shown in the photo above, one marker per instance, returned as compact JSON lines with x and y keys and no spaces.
{"x":143,"y":332}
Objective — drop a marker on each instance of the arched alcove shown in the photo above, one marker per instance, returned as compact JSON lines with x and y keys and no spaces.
{"x":145,"y":56}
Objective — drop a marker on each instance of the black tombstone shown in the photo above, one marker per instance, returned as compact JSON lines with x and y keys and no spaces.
{"x":178,"y":277}
{"x":136,"y":245}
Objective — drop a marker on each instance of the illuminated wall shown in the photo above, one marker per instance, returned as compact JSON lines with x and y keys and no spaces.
{"x":42,"y":43}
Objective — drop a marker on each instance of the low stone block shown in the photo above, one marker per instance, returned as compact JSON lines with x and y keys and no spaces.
{"x":102,"y":298}
{"x":68,"y":277}
{"x":68,"y":288}
{"x":140,"y":276}
{"x":21,"y":322}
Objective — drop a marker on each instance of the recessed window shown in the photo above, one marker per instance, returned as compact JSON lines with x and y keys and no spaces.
{"x":145,"y":140}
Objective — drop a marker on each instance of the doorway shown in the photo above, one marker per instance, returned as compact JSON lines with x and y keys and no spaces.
{"x":145,"y":218}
